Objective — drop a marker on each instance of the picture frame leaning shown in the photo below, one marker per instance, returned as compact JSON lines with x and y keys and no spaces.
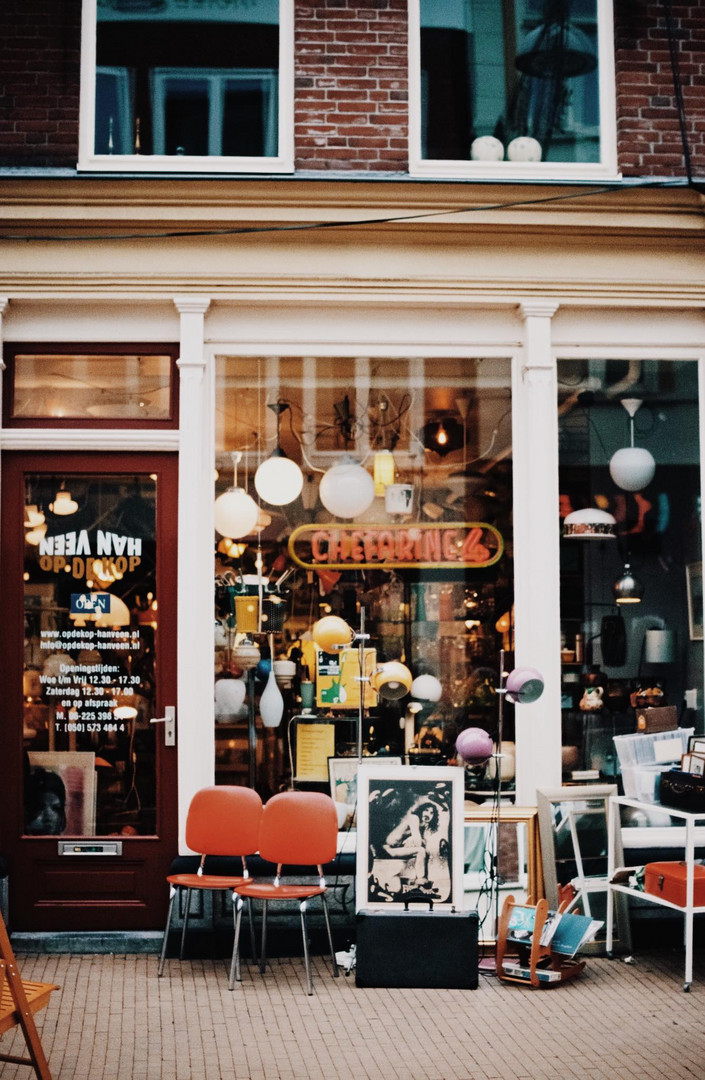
{"x":410,"y":836}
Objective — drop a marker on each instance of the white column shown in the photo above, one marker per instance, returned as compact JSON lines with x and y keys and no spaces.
{"x":195,"y":724}
{"x":536,"y":551}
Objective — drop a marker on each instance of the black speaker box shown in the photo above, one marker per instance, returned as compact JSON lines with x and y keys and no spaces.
{"x":425,"y":949}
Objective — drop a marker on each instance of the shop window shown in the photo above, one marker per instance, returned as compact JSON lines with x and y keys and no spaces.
{"x":365,"y":488}
{"x":513,"y":88}
{"x":59,"y":386}
{"x":182,"y":86}
{"x":631,"y":548}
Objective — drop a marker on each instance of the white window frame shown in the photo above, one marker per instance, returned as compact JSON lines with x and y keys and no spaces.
{"x":605,"y":169}
{"x":89,"y":161}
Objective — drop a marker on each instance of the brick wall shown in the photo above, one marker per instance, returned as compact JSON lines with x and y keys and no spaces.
{"x":39,"y":69}
{"x":351,"y":97}
{"x":648,"y":131}
{"x":352,"y":86}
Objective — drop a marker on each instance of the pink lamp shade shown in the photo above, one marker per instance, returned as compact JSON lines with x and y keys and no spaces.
{"x":524,"y":685}
{"x":474,"y":745}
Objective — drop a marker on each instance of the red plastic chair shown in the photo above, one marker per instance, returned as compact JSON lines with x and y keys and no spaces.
{"x":221,"y":821}
{"x":299,"y":828}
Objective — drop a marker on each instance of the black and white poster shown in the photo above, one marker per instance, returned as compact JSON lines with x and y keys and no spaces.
{"x":410,"y":836}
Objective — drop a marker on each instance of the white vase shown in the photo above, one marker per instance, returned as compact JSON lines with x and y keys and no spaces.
{"x":271,"y":703}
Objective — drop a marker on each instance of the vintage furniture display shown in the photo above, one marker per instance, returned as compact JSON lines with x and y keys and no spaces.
{"x":221,"y":821}
{"x":20,"y":999}
{"x":298,"y":828}
{"x":619,"y":876}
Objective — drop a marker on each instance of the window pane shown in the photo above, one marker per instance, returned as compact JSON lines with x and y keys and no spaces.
{"x":428,"y":555}
{"x":91,"y":624}
{"x":58,"y":387}
{"x":510,"y":69}
{"x":631,"y":638}
{"x":165,"y":78}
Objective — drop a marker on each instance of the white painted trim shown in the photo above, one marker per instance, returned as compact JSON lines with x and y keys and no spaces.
{"x":195,"y":642}
{"x":89,"y":161}
{"x":536,"y":550}
{"x":89,"y":439}
{"x":605,"y":169}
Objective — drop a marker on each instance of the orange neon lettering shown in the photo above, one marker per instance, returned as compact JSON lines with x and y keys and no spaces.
{"x":369,"y":541}
{"x":432,"y":545}
{"x":473,"y":550}
{"x":385,"y":545}
{"x":405,"y":546}
{"x":450,"y":551}
{"x":356,"y":552}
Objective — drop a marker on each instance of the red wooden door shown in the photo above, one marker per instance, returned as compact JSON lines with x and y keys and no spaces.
{"x":87,"y":661}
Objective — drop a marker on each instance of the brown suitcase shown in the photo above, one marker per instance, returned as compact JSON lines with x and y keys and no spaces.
{"x":667,"y":879}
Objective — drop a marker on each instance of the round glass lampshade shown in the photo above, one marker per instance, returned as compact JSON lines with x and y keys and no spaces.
{"x":632,"y":468}
{"x":524,"y":685}
{"x":426,"y":688}
{"x":347,"y":489}
{"x":331,"y":633}
{"x":590,"y":524}
{"x":279,"y":480}
{"x":236,"y":513}
{"x":63,"y":504}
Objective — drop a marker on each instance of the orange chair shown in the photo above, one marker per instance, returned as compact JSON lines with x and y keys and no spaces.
{"x":299,"y":828}
{"x":221,"y":821}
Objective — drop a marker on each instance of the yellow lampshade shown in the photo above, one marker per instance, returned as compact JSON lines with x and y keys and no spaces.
{"x":383,"y":471}
{"x":331,"y":633}
{"x":391,"y":680}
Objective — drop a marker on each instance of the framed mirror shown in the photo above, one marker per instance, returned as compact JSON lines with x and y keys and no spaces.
{"x":573,"y":835}
{"x":512,"y":834}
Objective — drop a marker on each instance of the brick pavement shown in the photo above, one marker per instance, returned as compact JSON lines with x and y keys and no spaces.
{"x":113,"y":1019}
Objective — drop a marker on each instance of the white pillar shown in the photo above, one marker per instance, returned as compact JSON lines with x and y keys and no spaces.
{"x":536,"y":551}
{"x":3,"y":304}
{"x":195,"y":724}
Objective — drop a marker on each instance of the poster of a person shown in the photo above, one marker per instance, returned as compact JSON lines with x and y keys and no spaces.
{"x":410,"y":835}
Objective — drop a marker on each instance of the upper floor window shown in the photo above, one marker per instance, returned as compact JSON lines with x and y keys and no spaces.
{"x":512,"y":88}
{"x":187,"y":86}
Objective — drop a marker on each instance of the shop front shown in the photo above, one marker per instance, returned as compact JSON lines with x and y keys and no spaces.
{"x":406,"y":422}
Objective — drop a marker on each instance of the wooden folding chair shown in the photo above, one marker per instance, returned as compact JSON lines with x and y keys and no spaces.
{"x":19,"y":1000}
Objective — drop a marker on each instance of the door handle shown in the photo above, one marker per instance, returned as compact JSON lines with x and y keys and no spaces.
{"x":169,"y":722}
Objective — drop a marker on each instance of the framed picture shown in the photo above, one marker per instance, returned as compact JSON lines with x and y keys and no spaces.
{"x":342,"y":774}
{"x":694,"y":582}
{"x":410,"y":836}
{"x":60,"y":793}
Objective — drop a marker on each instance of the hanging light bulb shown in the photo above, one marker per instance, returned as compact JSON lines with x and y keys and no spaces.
{"x":347,"y":489}
{"x":278,"y":479}
{"x":235,"y":512}
{"x":63,"y":504}
{"x":36,"y":535}
{"x":627,"y":589}
{"x":441,"y":435}
{"x":632,"y":468}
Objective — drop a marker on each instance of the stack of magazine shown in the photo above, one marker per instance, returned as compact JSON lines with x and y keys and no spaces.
{"x":563,"y":933}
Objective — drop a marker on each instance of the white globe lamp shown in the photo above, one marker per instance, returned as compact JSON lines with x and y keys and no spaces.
{"x":426,"y":688}
{"x":347,"y":489}
{"x":632,"y":468}
{"x":279,"y":480}
{"x":235,"y":512}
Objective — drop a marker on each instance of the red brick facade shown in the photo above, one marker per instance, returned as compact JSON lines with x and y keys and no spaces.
{"x":351,"y":85}
{"x":648,"y":131}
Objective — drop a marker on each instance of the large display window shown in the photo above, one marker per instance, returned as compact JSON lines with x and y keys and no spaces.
{"x":370,"y":489}
{"x":631,"y":556}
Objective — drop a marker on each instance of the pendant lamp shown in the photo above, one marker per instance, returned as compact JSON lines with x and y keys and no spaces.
{"x":278,"y":479}
{"x":347,"y":489}
{"x":236,"y":512}
{"x":632,"y":468}
{"x":590,"y":524}
{"x":555,"y":49}
{"x":271,"y":703}
{"x":63,"y":504}
{"x":627,"y":589}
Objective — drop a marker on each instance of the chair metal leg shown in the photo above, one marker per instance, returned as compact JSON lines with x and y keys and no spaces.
{"x":263,"y":955}
{"x":307,"y":961}
{"x":172,"y":894}
{"x":235,"y":974}
{"x":185,"y":926}
{"x":253,"y":943}
{"x":330,"y":936}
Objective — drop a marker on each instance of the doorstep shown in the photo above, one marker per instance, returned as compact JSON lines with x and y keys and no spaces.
{"x":88,"y":941}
